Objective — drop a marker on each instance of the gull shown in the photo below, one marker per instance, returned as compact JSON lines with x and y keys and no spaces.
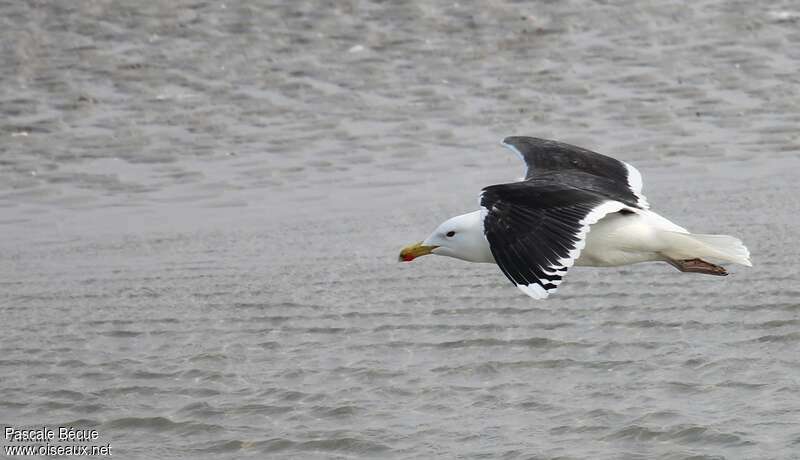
{"x":573,"y":207}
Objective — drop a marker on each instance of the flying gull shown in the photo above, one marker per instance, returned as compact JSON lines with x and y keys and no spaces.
{"x":574,"y":207}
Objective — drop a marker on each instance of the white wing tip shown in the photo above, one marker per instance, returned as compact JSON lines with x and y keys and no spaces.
{"x":635,"y":184}
{"x":535,"y":291}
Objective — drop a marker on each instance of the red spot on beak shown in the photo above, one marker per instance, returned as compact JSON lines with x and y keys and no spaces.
{"x":407,"y":257}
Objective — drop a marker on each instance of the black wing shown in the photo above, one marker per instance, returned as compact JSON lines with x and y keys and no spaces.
{"x":537,"y":228}
{"x":546,"y":157}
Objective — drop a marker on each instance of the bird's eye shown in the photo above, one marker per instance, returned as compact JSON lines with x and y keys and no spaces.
{"x":451,"y":233}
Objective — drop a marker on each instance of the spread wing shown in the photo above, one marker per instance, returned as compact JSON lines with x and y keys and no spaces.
{"x":537,"y":228}
{"x":545,"y":157}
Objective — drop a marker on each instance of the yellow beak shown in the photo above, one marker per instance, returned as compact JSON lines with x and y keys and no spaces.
{"x":412,"y":251}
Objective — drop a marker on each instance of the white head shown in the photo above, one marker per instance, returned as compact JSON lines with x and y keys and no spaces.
{"x":460,"y":237}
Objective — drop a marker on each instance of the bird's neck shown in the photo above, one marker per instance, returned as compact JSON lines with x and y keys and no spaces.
{"x":478,"y":247}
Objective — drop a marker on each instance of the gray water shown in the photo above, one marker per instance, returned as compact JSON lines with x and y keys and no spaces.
{"x":201,"y":205}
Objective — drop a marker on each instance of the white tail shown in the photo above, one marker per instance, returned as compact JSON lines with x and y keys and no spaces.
{"x":721,"y":247}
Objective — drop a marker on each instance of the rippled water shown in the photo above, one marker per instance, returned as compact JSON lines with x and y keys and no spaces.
{"x":201,"y":206}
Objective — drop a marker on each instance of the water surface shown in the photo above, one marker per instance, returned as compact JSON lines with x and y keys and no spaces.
{"x":201,"y":205}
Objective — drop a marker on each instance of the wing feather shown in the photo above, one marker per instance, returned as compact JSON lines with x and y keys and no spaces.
{"x":579,"y":167}
{"x":536,"y":229}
